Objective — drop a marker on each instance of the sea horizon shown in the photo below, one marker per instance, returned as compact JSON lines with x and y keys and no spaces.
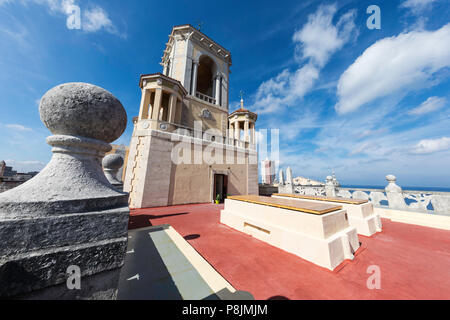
{"x":436,"y":189}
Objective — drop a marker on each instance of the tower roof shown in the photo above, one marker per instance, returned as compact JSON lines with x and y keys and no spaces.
{"x":190,"y":32}
{"x":242,"y":110}
{"x":162,"y":76}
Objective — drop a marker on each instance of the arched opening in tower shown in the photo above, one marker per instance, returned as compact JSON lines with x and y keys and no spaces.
{"x":205,"y":81}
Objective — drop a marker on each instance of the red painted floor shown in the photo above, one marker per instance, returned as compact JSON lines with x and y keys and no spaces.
{"x":414,"y":261}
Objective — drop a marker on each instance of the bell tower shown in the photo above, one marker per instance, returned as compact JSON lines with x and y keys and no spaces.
{"x":200,"y":64}
{"x":186,"y":147}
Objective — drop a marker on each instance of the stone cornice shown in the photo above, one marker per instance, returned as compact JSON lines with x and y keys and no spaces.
{"x":201,"y":39}
{"x":154,"y":76}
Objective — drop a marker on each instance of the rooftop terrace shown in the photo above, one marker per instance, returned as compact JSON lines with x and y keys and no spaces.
{"x":414,"y":260}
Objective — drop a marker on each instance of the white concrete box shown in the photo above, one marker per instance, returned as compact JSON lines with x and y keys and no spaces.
{"x":323,"y":239}
{"x":361,"y":214}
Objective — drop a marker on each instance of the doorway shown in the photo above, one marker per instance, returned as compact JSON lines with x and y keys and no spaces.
{"x":220,"y":187}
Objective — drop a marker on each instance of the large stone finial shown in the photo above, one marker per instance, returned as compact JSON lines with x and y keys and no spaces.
{"x":330,"y":187}
{"x":281,"y":177}
{"x":68,"y":214}
{"x":289,"y":179}
{"x":394,"y":193}
{"x":392,"y":186}
{"x":111,"y":165}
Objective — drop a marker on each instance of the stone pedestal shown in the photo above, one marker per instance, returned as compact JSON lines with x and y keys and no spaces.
{"x":330,"y":187}
{"x":394,"y":194}
{"x":69,"y":214}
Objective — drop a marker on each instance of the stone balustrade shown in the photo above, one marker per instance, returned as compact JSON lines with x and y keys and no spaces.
{"x":392,"y":196}
{"x":198,"y":134}
{"x":205,"y":97}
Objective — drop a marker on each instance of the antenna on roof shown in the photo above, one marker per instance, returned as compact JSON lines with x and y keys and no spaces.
{"x":241,"y":93}
{"x":199,"y":25}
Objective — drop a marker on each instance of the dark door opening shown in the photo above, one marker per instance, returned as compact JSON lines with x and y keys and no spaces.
{"x":220,"y":187}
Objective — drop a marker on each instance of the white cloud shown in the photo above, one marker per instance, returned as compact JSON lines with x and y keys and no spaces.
{"x":432,"y":145}
{"x":18,"y":127}
{"x":400,"y":63}
{"x":430,"y":105}
{"x":96,"y":19}
{"x":93,"y":19}
{"x":315,"y":43}
{"x":416,"y":6}
{"x":319,"y":38}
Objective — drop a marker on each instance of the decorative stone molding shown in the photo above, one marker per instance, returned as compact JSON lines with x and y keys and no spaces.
{"x":206,"y":114}
{"x":68,"y":214}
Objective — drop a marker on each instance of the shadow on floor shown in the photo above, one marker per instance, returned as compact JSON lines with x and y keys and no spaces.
{"x":191,"y":237}
{"x":144,"y":220}
{"x":278,"y":298}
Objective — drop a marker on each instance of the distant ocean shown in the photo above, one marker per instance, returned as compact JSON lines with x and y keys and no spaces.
{"x":438,"y":189}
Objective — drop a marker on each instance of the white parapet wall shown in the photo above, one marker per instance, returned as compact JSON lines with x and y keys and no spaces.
{"x":414,"y":217}
{"x":326,"y":240}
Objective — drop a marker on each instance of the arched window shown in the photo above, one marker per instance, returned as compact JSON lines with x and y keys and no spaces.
{"x":205,"y":76}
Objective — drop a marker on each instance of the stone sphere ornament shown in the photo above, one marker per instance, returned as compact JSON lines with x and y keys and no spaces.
{"x":113,"y":162}
{"x":84,"y":119}
{"x":111,"y":165}
{"x":85,"y":110}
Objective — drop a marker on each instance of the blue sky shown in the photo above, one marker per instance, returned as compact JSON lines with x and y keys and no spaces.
{"x":364,"y":102}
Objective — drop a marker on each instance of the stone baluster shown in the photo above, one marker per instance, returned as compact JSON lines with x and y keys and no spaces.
{"x":69,"y":215}
{"x":111,"y":166}
{"x":394,"y":194}
{"x":330,"y":187}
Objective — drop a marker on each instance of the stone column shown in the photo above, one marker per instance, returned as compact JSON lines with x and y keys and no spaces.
{"x":253,"y":133}
{"x":172,"y":108}
{"x":179,"y":111}
{"x":394,"y":194}
{"x":157,"y":104}
{"x":246,"y":131}
{"x":330,"y":187}
{"x":230,"y":131}
{"x":68,"y":216}
{"x":194,"y":78}
{"x":281,"y":177}
{"x":145,"y":102}
{"x":217,"y":95}
{"x":237,"y":130}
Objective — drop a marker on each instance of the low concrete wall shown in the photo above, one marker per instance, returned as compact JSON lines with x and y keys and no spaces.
{"x":414,"y":217}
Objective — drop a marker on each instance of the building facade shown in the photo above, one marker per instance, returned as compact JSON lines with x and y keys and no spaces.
{"x":186,"y":146}
{"x":268,"y":171}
